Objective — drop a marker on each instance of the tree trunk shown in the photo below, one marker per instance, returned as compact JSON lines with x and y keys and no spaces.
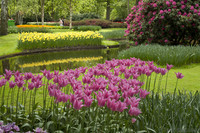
{"x":70,"y":18}
{"x":4,"y":17}
{"x":42,"y":13}
{"x":19,"y":18}
{"x":108,"y":10}
{"x":128,"y":8}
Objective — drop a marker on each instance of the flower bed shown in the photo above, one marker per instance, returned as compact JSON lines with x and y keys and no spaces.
{"x":107,"y":96}
{"x":29,"y":41}
{"x":34,"y":26}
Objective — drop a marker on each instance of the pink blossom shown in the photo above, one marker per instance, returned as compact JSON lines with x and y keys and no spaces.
{"x":133,"y":120}
{"x":12,"y":84}
{"x":154,"y":5}
{"x":143,"y":93}
{"x":179,"y":75}
{"x":174,"y":3}
{"x":182,"y":2}
{"x":161,"y":11}
{"x":162,"y":17}
{"x":169,"y":67}
{"x":195,"y":11}
{"x":167,"y":3}
{"x":163,"y":71}
{"x":192,"y":8}
{"x":183,"y":7}
{"x":77,"y":104}
{"x":134,"y":111}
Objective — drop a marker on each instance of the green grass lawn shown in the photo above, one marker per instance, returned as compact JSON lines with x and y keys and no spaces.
{"x":8,"y":44}
{"x":190,"y":82}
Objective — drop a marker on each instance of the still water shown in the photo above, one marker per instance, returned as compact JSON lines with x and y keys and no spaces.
{"x":58,"y":60}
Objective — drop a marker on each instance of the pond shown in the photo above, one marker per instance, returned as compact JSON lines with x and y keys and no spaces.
{"x":63,"y":60}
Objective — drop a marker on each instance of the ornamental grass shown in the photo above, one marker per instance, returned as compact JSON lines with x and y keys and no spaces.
{"x":29,"y":41}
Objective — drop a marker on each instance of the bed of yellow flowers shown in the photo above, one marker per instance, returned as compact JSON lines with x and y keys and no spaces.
{"x":35,"y":64}
{"x":35,"y":40}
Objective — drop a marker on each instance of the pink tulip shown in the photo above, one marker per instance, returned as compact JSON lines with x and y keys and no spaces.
{"x":143,"y":93}
{"x":134,"y":111}
{"x":77,"y":104}
{"x":179,"y":75}
{"x":169,"y":67}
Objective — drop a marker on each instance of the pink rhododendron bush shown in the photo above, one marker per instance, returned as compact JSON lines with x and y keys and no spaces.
{"x":171,"y":22}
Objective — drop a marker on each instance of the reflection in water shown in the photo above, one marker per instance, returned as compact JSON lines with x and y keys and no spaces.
{"x":57,"y":60}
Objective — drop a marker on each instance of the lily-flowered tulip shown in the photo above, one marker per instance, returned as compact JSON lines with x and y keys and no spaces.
{"x":169,"y":67}
{"x":134,"y":111}
{"x":143,"y":93}
{"x":179,"y":75}
{"x":77,"y":104}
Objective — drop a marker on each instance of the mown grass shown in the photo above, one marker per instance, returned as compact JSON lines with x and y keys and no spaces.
{"x":8,"y":44}
{"x":190,"y":82}
{"x":113,"y":33}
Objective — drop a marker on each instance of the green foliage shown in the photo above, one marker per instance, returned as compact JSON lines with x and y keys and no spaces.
{"x":32,"y":29}
{"x":160,"y":113}
{"x":12,"y":29}
{"x":78,"y":17}
{"x":162,"y":55}
{"x":176,"y":112}
{"x":88,"y":28}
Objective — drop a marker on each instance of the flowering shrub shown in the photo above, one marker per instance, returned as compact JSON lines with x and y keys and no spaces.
{"x":171,"y":22}
{"x":48,"y":40}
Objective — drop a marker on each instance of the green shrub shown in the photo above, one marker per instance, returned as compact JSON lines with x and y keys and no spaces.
{"x":176,"y":55}
{"x":12,"y":29}
{"x":42,"y":30}
{"x":165,"y":22}
{"x":87,"y":28}
{"x":118,"y":25}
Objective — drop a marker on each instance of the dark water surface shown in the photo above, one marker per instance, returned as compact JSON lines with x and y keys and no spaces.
{"x":58,"y":60}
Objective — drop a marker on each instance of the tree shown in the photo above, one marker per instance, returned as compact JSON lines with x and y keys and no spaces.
{"x":42,"y":11}
{"x":4,"y":17}
{"x":70,"y":18}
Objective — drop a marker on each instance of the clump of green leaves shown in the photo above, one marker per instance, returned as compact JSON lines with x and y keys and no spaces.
{"x":162,"y":55}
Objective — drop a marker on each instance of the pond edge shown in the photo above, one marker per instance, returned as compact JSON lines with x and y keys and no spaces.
{"x":56,"y":50}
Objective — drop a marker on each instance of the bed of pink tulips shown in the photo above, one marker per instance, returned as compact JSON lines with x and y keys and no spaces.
{"x":114,"y":86}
